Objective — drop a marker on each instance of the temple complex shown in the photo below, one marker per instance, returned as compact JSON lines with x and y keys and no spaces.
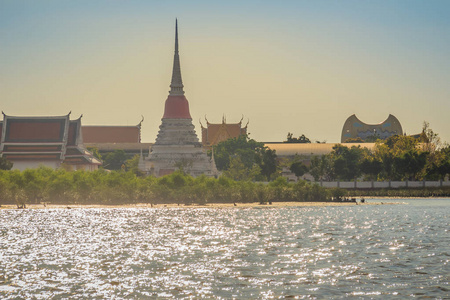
{"x":213,"y":134}
{"x":29,"y":142}
{"x":177,"y":145}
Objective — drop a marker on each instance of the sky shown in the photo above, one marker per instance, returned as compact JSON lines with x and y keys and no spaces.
{"x":284,"y":66}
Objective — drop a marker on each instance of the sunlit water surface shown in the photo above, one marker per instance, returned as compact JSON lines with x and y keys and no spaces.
{"x":383,"y":251}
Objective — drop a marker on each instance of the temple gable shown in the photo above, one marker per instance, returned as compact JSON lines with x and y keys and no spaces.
{"x":213,"y":134}
{"x":50,"y":141}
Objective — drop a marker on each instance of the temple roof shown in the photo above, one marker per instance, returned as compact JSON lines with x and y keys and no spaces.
{"x":219,"y":132}
{"x":111,"y":134}
{"x":35,"y":129}
{"x":42,"y":138}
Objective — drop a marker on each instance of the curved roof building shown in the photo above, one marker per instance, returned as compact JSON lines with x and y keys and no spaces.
{"x":355,"y":128}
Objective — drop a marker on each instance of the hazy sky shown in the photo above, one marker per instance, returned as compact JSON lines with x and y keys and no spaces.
{"x":287,"y":66}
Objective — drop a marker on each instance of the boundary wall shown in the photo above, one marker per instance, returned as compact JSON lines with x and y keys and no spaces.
{"x":382,"y":184}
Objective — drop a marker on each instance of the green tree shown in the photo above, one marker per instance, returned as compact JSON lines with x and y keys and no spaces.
{"x":322,"y":168}
{"x":5,"y":164}
{"x":354,"y":140}
{"x":372,"y":138}
{"x":268,"y":162}
{"x":34,"y":184}
{"x":444,"y":166}
{"x":347,"y":161}
{"x":95,"y":152}
{"x":238,"y":171}
{"x":371,"y":167}
{"x":402,"y":158}
{"x":409,"y":164}
{"x":301,"y":139}
{"x":436,"y":160}
{"x":132,"y":165}
{"x":249,"y":152}
{"x":299,"y":168}
{"x":114,"y":160}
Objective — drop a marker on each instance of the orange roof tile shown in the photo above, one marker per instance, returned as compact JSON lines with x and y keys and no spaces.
{"x":111,"y":134}
{"x":35,"y":130}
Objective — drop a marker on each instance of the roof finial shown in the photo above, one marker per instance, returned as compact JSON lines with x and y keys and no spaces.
{"x":176,"y":36}
{"x":140,"y":123}
{"x":176,"y":86}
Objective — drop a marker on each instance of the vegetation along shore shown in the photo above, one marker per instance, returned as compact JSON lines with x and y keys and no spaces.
{"x":45,"y":185}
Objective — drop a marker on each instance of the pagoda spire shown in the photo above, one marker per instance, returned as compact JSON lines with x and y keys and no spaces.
{"x":176,"y":86}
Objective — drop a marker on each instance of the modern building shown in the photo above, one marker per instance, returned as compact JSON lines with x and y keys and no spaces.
{"x":177,"y":145}
{"x":29,"y":142}
{"x":215,"y":133}
{"x":354,"y":129}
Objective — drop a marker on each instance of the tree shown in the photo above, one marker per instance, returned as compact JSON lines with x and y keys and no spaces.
{"x":301,"y":139}
{"x":238,"y":171}
{"x":372,"y":138}
{"x":95,"y":152}
{"x":298,"y":168}
{"x":249,"y":151}
{"x":5,"y":164}
{"x":371,"y":167}
{"x":438,"y":164}
{"x":354,"y":140}
{"x":444,"y":167}
{"x":114,"y":160}
{"x":268,"y":164}
{"x":402,"y":158}
{"x":347,"y":161}
{"x":132,"y":164}
{"x":430,"y":140}
{"x":322,"y":168}
{"x":409,"y":164}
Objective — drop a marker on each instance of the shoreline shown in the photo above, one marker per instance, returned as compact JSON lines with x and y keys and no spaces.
{"x":208,"y":205}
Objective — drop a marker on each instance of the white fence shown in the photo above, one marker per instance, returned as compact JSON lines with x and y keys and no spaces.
{"x":382,"y":184}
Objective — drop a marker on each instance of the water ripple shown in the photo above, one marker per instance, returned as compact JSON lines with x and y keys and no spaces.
{"x":313,"y":252}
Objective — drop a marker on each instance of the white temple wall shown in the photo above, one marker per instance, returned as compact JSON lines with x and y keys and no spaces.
{"x":30,"y":164}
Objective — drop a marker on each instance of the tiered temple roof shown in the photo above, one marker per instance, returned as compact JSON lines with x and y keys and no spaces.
{"x":213,"y":134}
{"x":28,"y":141}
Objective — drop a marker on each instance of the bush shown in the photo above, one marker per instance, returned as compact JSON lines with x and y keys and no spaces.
{"x":118,"y":187}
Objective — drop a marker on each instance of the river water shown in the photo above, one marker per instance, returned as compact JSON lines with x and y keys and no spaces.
{"x":371,"y":251}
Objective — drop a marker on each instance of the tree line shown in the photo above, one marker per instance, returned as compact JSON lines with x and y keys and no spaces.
{"x":43,"y":185}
